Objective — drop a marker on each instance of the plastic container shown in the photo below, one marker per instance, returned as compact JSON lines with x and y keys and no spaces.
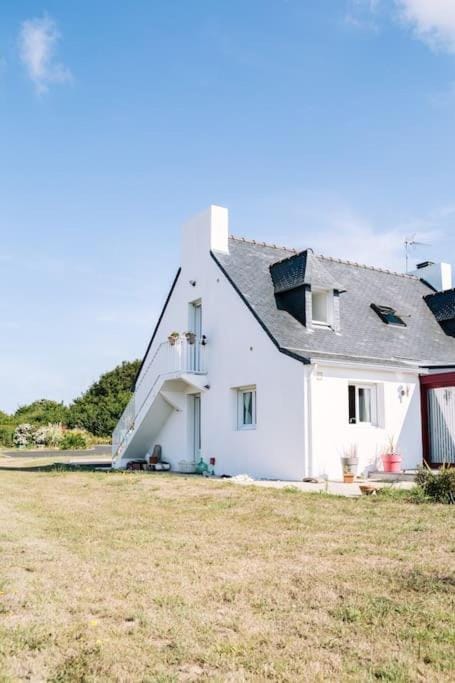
{"x":186,"y":466}
{"x":392,"y":463}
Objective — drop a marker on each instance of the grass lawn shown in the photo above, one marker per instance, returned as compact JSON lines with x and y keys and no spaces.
{"x":136,"y":577}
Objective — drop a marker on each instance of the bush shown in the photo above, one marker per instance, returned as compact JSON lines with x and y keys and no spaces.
{"x":73,"y":441}
{"x":438,"y":487}
{"x":51,"y":435}
{"x":42,"y":412}
{"x":23,"y":435}
{"x":6,"y":435}
{"x":99,"y":409}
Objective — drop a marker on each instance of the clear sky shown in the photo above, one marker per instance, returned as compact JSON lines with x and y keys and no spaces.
{"x":317,"y":123}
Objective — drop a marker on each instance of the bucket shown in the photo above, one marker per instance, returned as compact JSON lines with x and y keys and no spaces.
{"x":392,"y":463}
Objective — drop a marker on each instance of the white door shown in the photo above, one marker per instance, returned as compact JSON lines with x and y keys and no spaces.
{"x":196,"y":327}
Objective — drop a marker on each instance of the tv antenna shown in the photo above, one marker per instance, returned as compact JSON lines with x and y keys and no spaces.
{"x":410,"y":243}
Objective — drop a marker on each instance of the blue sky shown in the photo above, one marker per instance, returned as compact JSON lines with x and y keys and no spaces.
{"x":324,"y":124}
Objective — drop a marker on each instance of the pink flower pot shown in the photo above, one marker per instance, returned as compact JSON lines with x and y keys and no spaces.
{"x":391,"y":462}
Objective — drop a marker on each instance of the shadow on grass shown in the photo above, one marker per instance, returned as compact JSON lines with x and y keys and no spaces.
{"x":59,"y":467}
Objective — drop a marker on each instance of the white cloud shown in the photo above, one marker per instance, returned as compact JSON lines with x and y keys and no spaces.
{"x":38,"y":39}
{"x":432,"y":20}
{"x":333,"y":228}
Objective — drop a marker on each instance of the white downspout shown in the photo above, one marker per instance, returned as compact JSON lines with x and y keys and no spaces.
{"x":307,"y":421}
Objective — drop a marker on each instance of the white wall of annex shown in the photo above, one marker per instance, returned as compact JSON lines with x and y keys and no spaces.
{"x":399,"y":417}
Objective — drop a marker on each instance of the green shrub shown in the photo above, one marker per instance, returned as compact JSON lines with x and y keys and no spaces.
{"x":439,"y":486}
{"x":7,"y":435}
{"x":99,"y":409}
{"x":73,"y":441}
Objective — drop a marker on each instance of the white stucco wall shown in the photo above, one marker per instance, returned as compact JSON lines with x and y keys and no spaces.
{"x":290,"y":395}
{"x":398,"y":417}
{"x":238,"y":353}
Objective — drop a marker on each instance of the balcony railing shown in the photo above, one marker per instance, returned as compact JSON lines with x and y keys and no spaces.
{"x":168,"y":360}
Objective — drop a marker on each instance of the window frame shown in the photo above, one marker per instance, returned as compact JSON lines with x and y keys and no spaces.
{"x":373,"y":389}
{"x":388,"y":315}
{"x":241,"y":426}
{"x":328,"y":308}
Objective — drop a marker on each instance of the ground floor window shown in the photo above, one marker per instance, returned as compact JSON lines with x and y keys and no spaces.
{"x":362,"y":403}
{"x":246,"y":408}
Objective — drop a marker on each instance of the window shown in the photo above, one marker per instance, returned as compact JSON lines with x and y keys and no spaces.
{"x":246,"y":408}
{"x":362,"y":404}
{"x":320,"y":307}
{"x":388,"y":315}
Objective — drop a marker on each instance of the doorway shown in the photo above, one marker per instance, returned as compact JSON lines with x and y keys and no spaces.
{"x":196,"y":327}
{"x":438,"y":418}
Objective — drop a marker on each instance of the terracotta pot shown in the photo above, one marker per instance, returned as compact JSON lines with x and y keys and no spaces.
{"x":367,"y":489}
{"x":348,"y":478}
{"x":391,"y":462}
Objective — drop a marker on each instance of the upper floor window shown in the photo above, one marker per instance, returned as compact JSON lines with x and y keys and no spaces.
{"x":246,"y":408}
{"x":320,"y":304}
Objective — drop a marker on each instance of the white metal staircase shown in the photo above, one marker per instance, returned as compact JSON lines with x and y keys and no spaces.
{"x":152,"y":402}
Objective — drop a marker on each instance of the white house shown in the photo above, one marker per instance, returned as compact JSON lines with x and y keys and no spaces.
{"x":292,"y":358}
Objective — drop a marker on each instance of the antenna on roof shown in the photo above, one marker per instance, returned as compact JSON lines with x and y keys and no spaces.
{"x":409,"y":243}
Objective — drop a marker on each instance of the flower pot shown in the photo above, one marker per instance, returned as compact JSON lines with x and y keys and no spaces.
{"x":367,"y":489}
{"x":172,"y":339}
{"x":391,"y":462}
{"x":350,"y":464}
{"x":348,"y":478}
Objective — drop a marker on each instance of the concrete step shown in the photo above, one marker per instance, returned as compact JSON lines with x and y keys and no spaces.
{"x":407,"y":475}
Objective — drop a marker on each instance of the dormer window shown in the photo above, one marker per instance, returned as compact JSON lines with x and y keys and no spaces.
{"x":321,"y":307}
{"x":388,"y":315}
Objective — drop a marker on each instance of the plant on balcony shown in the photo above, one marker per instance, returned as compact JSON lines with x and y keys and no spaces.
{"x":173,"y":338}
{"x":190,"y":337}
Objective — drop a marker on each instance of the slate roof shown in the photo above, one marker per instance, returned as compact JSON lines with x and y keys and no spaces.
{"x":363,"y":336}
{"x":442,"y":304}
{"x":303,"y":268}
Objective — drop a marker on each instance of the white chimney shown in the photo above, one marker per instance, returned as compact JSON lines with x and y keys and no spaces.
{"x":208,"y":231}
{"x":438,"y":275}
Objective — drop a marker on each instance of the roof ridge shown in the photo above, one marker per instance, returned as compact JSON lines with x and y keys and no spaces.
{"x":363,"y":265}
{"x":264,"y":244}
{"x":292,"y":250}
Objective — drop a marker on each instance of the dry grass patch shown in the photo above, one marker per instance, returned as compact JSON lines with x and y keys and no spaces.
{"x":136,"y":577}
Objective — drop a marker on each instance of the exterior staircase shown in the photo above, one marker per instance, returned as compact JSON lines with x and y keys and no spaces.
{"x":174,"y":369}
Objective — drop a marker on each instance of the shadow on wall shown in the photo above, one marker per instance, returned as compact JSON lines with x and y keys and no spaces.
{"x":409,"y":439}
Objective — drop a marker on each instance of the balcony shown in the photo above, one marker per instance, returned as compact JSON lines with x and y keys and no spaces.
{"x":148,"y":409}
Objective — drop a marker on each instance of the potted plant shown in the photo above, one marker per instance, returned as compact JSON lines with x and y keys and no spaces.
{"x":190,"y":337}
{"x":348,"y":477}
{"x":391,"y":459}
{"x":349,"y":462}
{"x":172,"y":338}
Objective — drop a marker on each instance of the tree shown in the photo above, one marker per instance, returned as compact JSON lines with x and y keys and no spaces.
{"x":99,"y":409}
{"x":42,"y":412}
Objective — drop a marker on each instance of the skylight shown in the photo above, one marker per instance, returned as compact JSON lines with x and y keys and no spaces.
{"x":388,"y":315}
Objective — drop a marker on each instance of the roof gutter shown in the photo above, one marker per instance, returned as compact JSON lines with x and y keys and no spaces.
{"x":411,"y":369}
